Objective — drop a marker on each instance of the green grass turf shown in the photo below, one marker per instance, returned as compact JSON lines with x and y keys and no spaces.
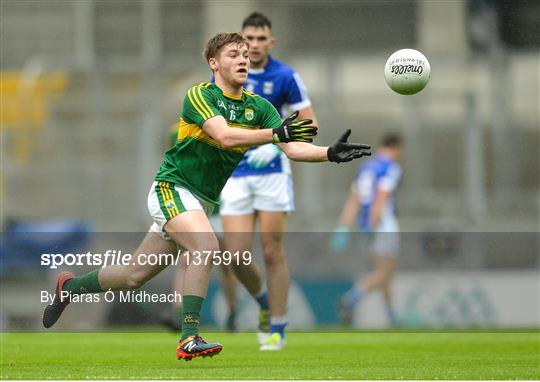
{"x":308,"y":356}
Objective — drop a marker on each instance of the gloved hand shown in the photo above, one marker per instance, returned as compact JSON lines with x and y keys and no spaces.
{"x":262,"y":156}
{"x":340,"y":239}
{"x":294,"y":131}
{"x":342,"y":151}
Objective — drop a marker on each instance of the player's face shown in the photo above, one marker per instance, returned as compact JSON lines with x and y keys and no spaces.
{"x":233,"y":64}
{"x":260,"y":41}
{"x":397,"y":151}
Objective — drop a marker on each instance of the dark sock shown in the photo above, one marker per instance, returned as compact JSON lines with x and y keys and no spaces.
{"x":262,"y":299}
{"x":191,"y":311}
{"x":352,"y":296}
{"x":88,"y":283}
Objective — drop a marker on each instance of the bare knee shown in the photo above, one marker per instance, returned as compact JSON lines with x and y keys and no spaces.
{"x":211,"y":247}
{"x":378,"y":278}
{"x":272,"y":252}
{"x":204,"y":254}
{"x":206,"y":243}
{"x":387,"y":277}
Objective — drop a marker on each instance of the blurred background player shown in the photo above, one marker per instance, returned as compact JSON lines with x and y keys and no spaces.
{"x":371,"y":205}
{"x":261,"y":187}
{"x":172,"y":317}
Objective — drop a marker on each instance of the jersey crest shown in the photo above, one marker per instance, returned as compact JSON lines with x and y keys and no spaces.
{"x":249,"y":114}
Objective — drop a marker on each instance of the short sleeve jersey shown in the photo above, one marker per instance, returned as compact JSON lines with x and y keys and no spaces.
{"x":378,"y":173}
{"x":197,"y":161}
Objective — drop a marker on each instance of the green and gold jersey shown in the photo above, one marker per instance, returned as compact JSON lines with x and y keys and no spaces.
{"x":197,"y":161}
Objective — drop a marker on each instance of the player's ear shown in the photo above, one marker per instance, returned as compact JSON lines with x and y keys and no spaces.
{"x":212,"y":62}
{"x":272,"y":41}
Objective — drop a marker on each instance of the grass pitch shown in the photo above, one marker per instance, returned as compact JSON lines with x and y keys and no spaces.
{"x":308,"y":356}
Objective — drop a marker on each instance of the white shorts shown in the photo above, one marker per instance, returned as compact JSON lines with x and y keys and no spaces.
{"x":167,"y":200}
{"x":386,"y":239}
{"x":243,"y":195}
{"x":385,"y":244}
{"x":217,"y":226}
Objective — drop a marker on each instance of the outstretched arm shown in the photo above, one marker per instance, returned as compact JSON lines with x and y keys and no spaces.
{"x":229,"y":137}
{"x":304,"y":152}
{"x":263,"y":155}
{"x":341,"y":151}
{"x":289,"y":131}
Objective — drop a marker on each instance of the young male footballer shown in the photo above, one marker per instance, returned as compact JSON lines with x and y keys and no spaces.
{"x":171,"y":318}
{"x":218,"y":122}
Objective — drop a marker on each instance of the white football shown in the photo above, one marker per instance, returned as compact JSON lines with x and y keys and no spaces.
{"x":407,"y":71}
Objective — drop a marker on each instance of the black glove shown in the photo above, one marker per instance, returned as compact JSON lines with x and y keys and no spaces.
{"x":342,"y":151}
{"x":291,"y":131}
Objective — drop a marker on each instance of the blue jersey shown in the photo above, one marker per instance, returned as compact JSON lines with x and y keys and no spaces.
{"x":283,"y":87}
{"x":377,"y":173}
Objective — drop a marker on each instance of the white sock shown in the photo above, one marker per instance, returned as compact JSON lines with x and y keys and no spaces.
{"x":278,"y":320}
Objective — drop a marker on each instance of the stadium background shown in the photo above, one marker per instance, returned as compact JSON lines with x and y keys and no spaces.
{"x":90,"y":88}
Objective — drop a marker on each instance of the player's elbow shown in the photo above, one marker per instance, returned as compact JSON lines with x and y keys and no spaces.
{"x":228,"y":143}
{"x":225,"y":140}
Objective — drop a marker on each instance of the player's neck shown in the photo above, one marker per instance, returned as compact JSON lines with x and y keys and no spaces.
{"x":386,"y":154}
{"x":260,"y":65}
{"x":228,"y":88}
